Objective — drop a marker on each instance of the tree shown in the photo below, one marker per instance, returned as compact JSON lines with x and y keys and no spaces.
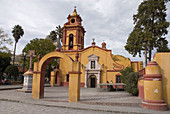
{"x":130,"y":78}
{"x":150,"y":26}
{"x":58,"y":33}
{"x":4,"y":40}
{"x":41,"y":46}
{"x":162,"y":45}
{"x":52,"y":36}
{"x":125,"y":73}
{"x":5,"y":59}
{"x":12,"y":70}
{"x":17,"y":33}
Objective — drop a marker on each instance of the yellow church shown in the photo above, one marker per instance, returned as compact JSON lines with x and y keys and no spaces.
{"x":98,"y":64}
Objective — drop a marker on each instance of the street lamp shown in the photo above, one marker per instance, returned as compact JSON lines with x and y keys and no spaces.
{"x":24,"y":58}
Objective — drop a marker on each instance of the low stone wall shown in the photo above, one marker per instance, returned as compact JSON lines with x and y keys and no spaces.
{"x":16,"y":82}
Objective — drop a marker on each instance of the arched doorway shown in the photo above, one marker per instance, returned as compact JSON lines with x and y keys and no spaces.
{"x":92,"y":81}
{"x":39,"y":71}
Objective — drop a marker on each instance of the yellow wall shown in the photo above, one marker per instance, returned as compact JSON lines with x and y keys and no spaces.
{"x":163,"y":61}
{"x":106,"y":61}
{"x":137,"y":65}
{"x":65,"y":66}
{"x":152,"y":90}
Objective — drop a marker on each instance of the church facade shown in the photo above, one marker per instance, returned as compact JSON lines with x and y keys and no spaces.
{"x":98,"y":64}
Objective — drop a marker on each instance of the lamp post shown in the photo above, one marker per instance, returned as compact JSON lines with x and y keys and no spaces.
{"x":24,"y":58}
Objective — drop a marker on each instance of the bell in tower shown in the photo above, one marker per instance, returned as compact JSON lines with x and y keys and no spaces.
{"x":73,"y":33}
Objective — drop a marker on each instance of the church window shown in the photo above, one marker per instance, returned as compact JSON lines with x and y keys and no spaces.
{"x":118,"y":79}
{"x":92,"y":64}
{"x":71,"y":41}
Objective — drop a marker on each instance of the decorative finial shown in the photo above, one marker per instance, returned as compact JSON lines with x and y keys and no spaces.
{"x":75,"y":9}
{"x":77,"y":56}
{"x":74,"y":12}
{"x":93,"y":39}
{"x":93,"y":43}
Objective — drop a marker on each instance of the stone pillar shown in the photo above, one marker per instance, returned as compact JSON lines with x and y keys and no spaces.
{"x":52,"y":82}
{"x":36,"y":82}
{"x":153,"y":98}
{"x":98,"y":81}
{"x":58,"y":78}
{"x":85,"y":85}
{"x":74,"y":82}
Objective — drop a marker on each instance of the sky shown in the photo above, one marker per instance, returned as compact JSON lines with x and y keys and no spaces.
{"x":110,"y":21}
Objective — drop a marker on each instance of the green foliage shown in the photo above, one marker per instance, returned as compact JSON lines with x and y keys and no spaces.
{"x":130,"y":78}
{"x":52,"y":36}
{"x":41,"y":46}
{"x":162,"y":45}
{"x":5,"y":59}
{"x":4,"y":40}
{"x":125,"y":73}
{"x":12,"y":70}
{"x":17,"y":33}
{"x":58,"y":33}
{"x":150,"y":26}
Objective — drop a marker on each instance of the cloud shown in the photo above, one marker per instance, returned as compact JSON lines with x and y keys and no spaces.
{"x":111,"y":21}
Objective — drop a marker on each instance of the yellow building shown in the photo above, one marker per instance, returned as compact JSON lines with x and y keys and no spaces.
{"x":98,"y":64}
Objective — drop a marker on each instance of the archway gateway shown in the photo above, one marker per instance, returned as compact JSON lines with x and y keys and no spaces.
{"x":73,"y":68}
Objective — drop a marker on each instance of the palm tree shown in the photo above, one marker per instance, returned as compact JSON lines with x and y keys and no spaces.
{"x":52,"y":36}
{"x":55,"y":34}
{"x":59,"y":32}
{"x":17,"y":33}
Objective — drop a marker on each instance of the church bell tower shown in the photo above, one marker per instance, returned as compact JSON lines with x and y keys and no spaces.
{"x":73,"y":33}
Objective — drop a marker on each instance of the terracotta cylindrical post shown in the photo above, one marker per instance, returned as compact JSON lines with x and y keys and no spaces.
{"x":153,"y":98}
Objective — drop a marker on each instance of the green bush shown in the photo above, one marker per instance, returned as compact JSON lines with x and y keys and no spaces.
{"x":5,"y":59}
{"x":12,"y":70}
{"x":130,"y":78}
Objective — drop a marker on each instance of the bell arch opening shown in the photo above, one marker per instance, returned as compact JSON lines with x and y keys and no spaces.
{"x":70,"y":41}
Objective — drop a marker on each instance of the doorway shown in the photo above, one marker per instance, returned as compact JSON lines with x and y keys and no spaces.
{"x":93,"y":82}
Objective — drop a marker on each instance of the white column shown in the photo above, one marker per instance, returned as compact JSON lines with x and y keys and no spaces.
{"x":98,"y":81}
{"x":85,"y":79}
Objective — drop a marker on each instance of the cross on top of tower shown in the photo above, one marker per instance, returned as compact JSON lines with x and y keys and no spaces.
{"x":93,"y":39}
{"x":74,"y":12}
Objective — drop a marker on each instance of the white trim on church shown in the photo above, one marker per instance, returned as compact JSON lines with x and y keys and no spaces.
{"x":92,"y":69}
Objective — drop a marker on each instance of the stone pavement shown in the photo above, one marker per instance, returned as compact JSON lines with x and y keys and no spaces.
{"x":8,"y":87}
{"x":56,"y":102}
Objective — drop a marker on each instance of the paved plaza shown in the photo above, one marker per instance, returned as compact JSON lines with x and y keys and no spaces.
{"x":93,"y":101}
